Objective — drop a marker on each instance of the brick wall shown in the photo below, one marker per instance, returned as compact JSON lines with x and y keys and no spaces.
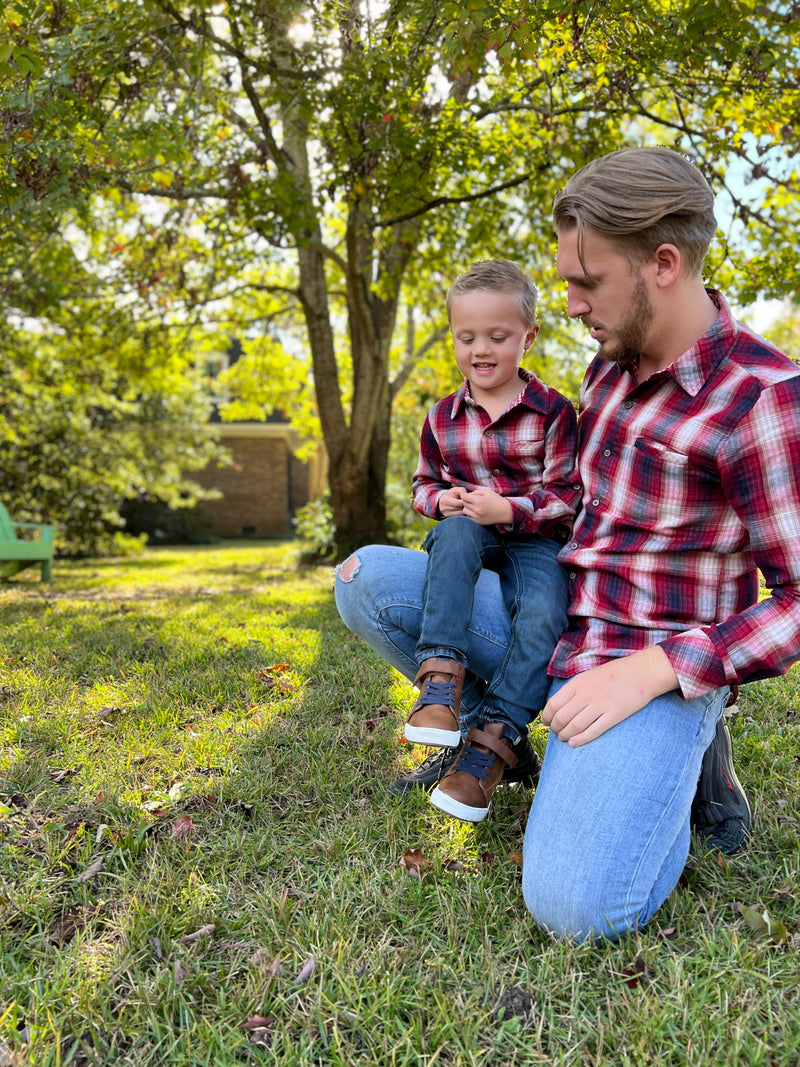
{"x":263,"y":486}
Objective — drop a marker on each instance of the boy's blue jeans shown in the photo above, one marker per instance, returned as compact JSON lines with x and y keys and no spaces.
{"x":534,"y":590}
{"x":608,"y":833}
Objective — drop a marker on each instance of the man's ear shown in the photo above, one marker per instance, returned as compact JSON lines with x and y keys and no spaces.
{"x":668,"y":263}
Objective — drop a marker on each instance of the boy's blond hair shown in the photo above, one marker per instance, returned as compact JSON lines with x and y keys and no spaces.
{"x":497,"y":276}
{"x":640,"y":198}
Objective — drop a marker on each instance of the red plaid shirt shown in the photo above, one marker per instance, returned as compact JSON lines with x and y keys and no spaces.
{"x":691,"y":486}
{"x":527,"y":456}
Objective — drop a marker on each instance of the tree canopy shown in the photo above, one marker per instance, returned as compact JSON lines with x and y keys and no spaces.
{"x":311,"y":176}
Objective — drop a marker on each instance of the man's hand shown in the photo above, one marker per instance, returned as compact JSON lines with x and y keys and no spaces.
{"x":487,"y":507}
{"x":592,"y":702}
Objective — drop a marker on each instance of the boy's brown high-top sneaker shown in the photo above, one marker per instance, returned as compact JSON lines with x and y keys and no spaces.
{"x":467,"y":788}
{"x":434,"y":719}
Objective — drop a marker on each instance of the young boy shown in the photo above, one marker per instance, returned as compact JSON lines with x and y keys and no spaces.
{"x":497,"y":466}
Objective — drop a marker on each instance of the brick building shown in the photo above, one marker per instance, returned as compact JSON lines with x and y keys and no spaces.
{"x":264,"y":484}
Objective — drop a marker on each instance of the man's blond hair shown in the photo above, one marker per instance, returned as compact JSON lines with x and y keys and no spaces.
{"x":497,"y":276}
{"x":639,"y":199}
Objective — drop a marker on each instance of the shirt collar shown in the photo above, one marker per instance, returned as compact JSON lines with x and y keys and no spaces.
{"x":693,"y":368}
{"x":529,"y":395}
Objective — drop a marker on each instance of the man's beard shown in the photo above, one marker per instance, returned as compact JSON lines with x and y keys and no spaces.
{"x":629,"y":336}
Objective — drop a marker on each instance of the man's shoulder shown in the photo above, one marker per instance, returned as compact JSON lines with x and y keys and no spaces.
{"x":752,"y":355}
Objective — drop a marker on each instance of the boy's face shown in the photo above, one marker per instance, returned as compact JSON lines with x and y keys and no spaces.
{"x":490,"y":339}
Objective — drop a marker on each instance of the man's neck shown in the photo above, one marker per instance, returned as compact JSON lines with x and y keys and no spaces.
{"x":679,"y":326}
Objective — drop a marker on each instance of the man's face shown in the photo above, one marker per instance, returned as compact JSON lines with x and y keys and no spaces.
{"x":606,"y":294}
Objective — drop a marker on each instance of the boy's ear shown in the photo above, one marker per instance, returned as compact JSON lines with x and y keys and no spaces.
{"x":530,"y":336}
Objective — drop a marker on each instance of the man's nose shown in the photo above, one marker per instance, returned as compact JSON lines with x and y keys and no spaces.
{"x":577,"y":304}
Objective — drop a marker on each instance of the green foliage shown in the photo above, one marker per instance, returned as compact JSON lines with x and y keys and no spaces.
{"x":302,"y":176}
{"x":81,"y":433}
{"x":315,"y":531}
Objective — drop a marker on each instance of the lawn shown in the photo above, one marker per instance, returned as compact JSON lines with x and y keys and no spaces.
{"x":201,"y":863}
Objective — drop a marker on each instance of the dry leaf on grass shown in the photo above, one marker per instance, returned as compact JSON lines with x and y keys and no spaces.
{"x":763,"y":926}
{"x":183,"y":826}
{"x":91,"y":871}
{"x":415,"y":863}
{"x":306,"y":971}
{"x":204,"y":931}
{"x":257,"y":1022}
{"x":515,"y":858}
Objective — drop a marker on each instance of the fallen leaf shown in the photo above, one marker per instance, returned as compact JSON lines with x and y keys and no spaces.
{"x":183,"y":826}
{"x":763,"y":926}
{"x":156,"y":943}
{"x":415,"y":862}
{"x":453,"y":865}
{"x":64,"y":773}
{"x":179,"y":972}
{"x":637,"y":975}
{"x":515,"y":858}
{"x":276,"y":968}
{"x":91,"y":870}
{"x":204,"y":931}
{"x":257,"y":1022}
{"x":306,"y":971}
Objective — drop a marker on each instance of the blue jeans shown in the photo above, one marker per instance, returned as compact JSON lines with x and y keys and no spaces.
{"x":608,"y":833}
{"x":534,"y":590}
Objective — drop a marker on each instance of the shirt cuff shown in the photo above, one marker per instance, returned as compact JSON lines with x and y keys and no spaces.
{"x":696,"y":662}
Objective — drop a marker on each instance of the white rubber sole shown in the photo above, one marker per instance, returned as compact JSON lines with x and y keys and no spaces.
{"x":455,"y":808}
{"x":422,"y":735}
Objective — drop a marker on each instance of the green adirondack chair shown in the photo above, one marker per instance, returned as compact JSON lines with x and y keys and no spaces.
{"x":34,"y":548}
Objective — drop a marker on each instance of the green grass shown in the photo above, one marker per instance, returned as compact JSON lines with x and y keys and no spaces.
{"x":215,"y":691}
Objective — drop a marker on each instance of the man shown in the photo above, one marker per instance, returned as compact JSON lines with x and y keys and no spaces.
{"x":689,"y":456}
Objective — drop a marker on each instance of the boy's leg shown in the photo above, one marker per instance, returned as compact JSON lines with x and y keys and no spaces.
{"x":455,"y":548}
{"x":608,"y":833}
{"x":534,"y":589}
{"x":379,"y":597}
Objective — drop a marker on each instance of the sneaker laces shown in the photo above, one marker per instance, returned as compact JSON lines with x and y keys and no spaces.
{"x":437,"y":693}
{"x":475,"y":762}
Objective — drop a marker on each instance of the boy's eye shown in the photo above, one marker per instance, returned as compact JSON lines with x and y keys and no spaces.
{"x":498,"y":340}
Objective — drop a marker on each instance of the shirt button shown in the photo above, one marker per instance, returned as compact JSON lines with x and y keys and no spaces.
{"x":573,"y":544}
{"x":628,"y":404}
{"x":595,"y":502}
{"x":496,"y":472}
{"x":606,"y":451}
{"x":573,"y":575}
{"x":487,"y":433}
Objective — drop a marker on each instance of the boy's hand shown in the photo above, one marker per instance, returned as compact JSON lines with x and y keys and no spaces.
{"x":592,"y":702}
{"x":451,"y":502}
{"x":487,"y":507}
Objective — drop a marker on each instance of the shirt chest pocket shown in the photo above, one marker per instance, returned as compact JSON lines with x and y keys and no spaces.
{"x":669,"y":490}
